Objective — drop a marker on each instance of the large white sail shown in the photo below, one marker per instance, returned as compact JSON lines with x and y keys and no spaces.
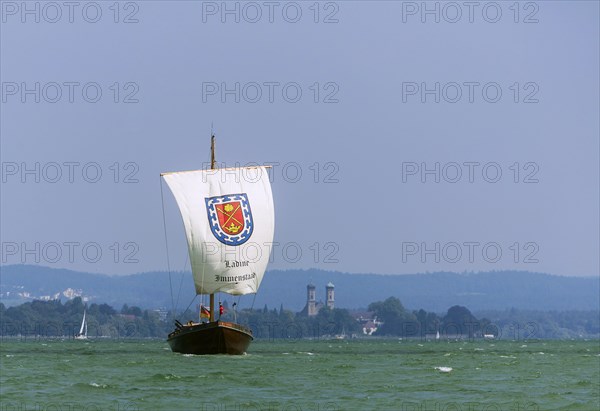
{"x":229,"y":222}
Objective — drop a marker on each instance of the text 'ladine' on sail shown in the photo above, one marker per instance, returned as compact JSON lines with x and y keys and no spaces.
{"x":229,"y":222}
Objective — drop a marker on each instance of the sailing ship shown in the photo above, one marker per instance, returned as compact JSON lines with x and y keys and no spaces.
{"x":224,"y":211}
{"x":82,"y":335}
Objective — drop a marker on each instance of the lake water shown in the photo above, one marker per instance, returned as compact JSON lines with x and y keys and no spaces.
{"x":307,"y":375}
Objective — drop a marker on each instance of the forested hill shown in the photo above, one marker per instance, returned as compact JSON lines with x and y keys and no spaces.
{"x":497,"y":290}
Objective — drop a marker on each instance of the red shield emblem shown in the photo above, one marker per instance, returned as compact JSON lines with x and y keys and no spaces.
{"x":231,"y":217}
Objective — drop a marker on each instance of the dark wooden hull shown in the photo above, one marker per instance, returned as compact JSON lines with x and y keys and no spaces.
{"x":210,"y":338}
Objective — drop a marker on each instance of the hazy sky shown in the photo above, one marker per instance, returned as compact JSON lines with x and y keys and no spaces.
{"x":460,"y":137}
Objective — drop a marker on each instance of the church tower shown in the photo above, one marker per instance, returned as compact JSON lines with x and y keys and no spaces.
{"x":311,"y":300}
{"x":330,"y":296}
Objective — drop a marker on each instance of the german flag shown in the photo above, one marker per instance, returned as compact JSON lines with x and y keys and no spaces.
{"x":204,"y":313}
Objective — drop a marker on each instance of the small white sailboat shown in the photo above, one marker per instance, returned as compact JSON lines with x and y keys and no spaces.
{"x":83,"y":330}
{"x":437,"y":335}
{"x":341,"y":336}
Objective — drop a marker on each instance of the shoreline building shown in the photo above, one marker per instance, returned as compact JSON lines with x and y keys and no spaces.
{"x":329,"y":291}
{"x":313,"y":307}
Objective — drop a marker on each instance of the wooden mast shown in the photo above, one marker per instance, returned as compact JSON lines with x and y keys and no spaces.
{"x":213,"y":166}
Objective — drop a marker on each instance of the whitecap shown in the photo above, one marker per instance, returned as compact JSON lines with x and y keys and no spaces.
{"x":443,"y":369}
{"x":94,"y":384}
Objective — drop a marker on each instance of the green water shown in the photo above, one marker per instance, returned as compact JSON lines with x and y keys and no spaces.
{"x":301,"y":375}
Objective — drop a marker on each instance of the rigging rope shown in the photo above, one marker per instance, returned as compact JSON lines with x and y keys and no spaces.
{"x":187,"y":256}
{"x":202,"y":284}
{"x":162,"y":199}
{"x":184,"y":311}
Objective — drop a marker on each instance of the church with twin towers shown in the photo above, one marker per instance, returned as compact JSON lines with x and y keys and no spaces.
{"x":313,"y":307}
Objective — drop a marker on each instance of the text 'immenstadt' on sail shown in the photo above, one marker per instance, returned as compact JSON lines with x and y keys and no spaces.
{"x":223,"y":211}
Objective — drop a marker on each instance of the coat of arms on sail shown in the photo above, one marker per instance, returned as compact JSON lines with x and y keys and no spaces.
{"x":230,"y":218}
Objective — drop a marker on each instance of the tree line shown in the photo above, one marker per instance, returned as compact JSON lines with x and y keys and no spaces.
{"x":57,"y":319}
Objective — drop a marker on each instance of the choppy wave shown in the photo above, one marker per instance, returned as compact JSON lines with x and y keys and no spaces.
{"x":307,"y":375}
